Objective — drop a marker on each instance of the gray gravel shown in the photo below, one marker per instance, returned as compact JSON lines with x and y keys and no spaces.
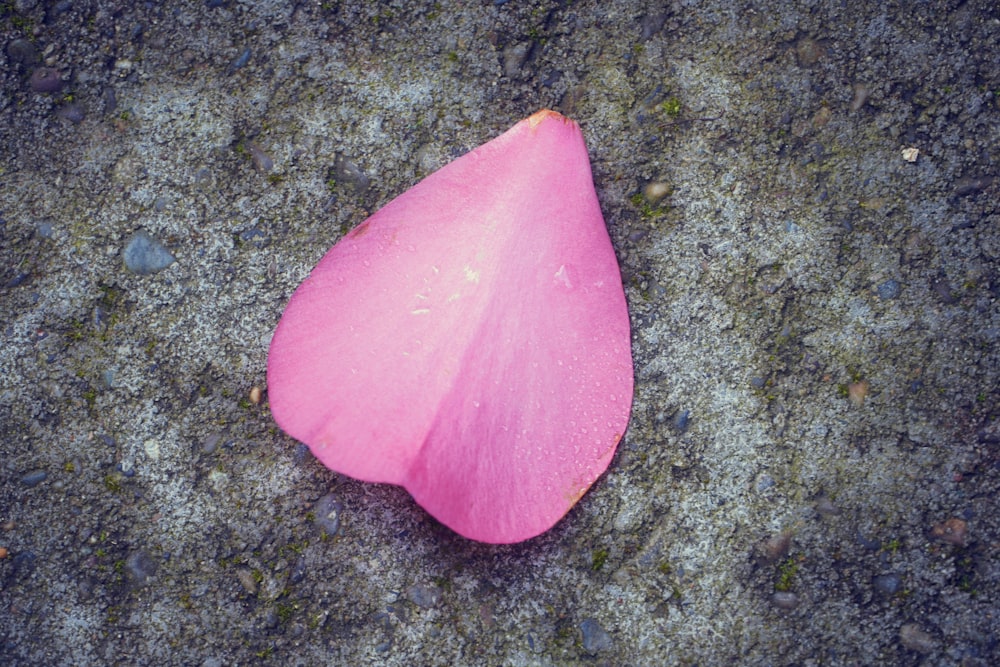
{"x":803,"y":197}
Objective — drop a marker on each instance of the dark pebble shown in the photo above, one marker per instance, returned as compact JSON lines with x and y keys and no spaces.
{"x":765,"y":482}
{"x":22,"y":52}
{"x":990,"y":433}
{"x":887,"y":584}
{"x":682,"y":419}
{"x":826,"y":507}
{"x":970,"y":185}
{"x":71,"y":112}
{"x":61,"y":7}
{"x":141,"y":566}
{"x":913,"y":637}
{"x":261,"y":160}
{"x":211,"y":443}
{"x":327,"y":510}
{"x":424,"y":597}
{"x":34,"y":478}
{"x":943,"y":291}
{"x":888,"y":290}
{"x":17,"y":280}
{"x":145,"y":255}
{"x":45,"y":80}
{"x":347,"y":172}
{"x":300,"y":454}
{"x":515,"y":56}
{"x":241,"y":60}
{"x":298,"y":572}
{"x":109,"y":99}
{"x":757,"y":382}
{"x":24,"y":563}
{"x":869,"y":543}
{"x":251,"y":234}
{"x":44,"y":229}
{"x":595,"y":638}
{"x":652,"y":24}
{"x":785,"y":600}
{"x":808,"y":51}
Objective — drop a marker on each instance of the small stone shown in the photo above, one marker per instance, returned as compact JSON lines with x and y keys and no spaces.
{"x":764,"y":482}
{"x":942,"y":289}
{"x":45,"y":229}
{"x":255,"y":395}
{"x":890,"y":289}
{"x":261,"y":160}
{"x":861,"y":93}
{"x":913,"y":637}
{"x":298,"y":572}
{"x":45,"y":80}
{"x":211,"y":443}
{"x":327,"y":510}
{"x":681,"y":420}
{"x":247,"y":580}
{"x":109,"y":100}
{"x":911,"y":154}
{"x":857,"y":392}
{"x":145,"y":255}
{"x":241,"y":60}
{"x":72,"y":112}
{"x":140,"y":566}
{"x":152,"y":449}
{"x":826,"y":507}
{"x":595,"y":638}
{"x":345,"y":171}
{"x":776,"y":547}
{"x":650,"y":24}
{"x":808,"y":51}
{"x":300,"y":454}
{"x":887,"y":584}
{"x":423,"y":596}
{"x":24,"y":564}
{"x":785,"y":600}
{"x":953,"y":531}
{"x":970,"y":185}
{"x":656,"y":191}
{"x":514,"y":58}
{"x":22,"y":52}
{"x":123,"y":66}
{"x":990,"y":433}
{"x":34,"y":478}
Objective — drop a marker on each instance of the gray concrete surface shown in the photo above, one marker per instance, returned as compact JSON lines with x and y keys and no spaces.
{"x":810,"y":475}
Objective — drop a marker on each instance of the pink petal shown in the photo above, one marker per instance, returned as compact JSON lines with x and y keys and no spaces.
{"x":469,"y":341}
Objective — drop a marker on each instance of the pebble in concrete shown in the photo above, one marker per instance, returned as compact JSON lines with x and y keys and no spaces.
{"x":145,"y":255}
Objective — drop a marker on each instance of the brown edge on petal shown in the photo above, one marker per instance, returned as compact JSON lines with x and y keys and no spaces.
{"x":360,"y":230}
{"x":535,"y":119}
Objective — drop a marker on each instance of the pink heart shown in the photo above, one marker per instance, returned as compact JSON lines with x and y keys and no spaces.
{"x":469,"y":341}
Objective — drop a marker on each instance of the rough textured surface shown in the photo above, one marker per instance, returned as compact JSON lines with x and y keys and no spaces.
{"x":811,"y":471}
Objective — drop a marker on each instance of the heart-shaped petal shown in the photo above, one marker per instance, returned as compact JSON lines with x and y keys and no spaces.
{"x":469,"y":341}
